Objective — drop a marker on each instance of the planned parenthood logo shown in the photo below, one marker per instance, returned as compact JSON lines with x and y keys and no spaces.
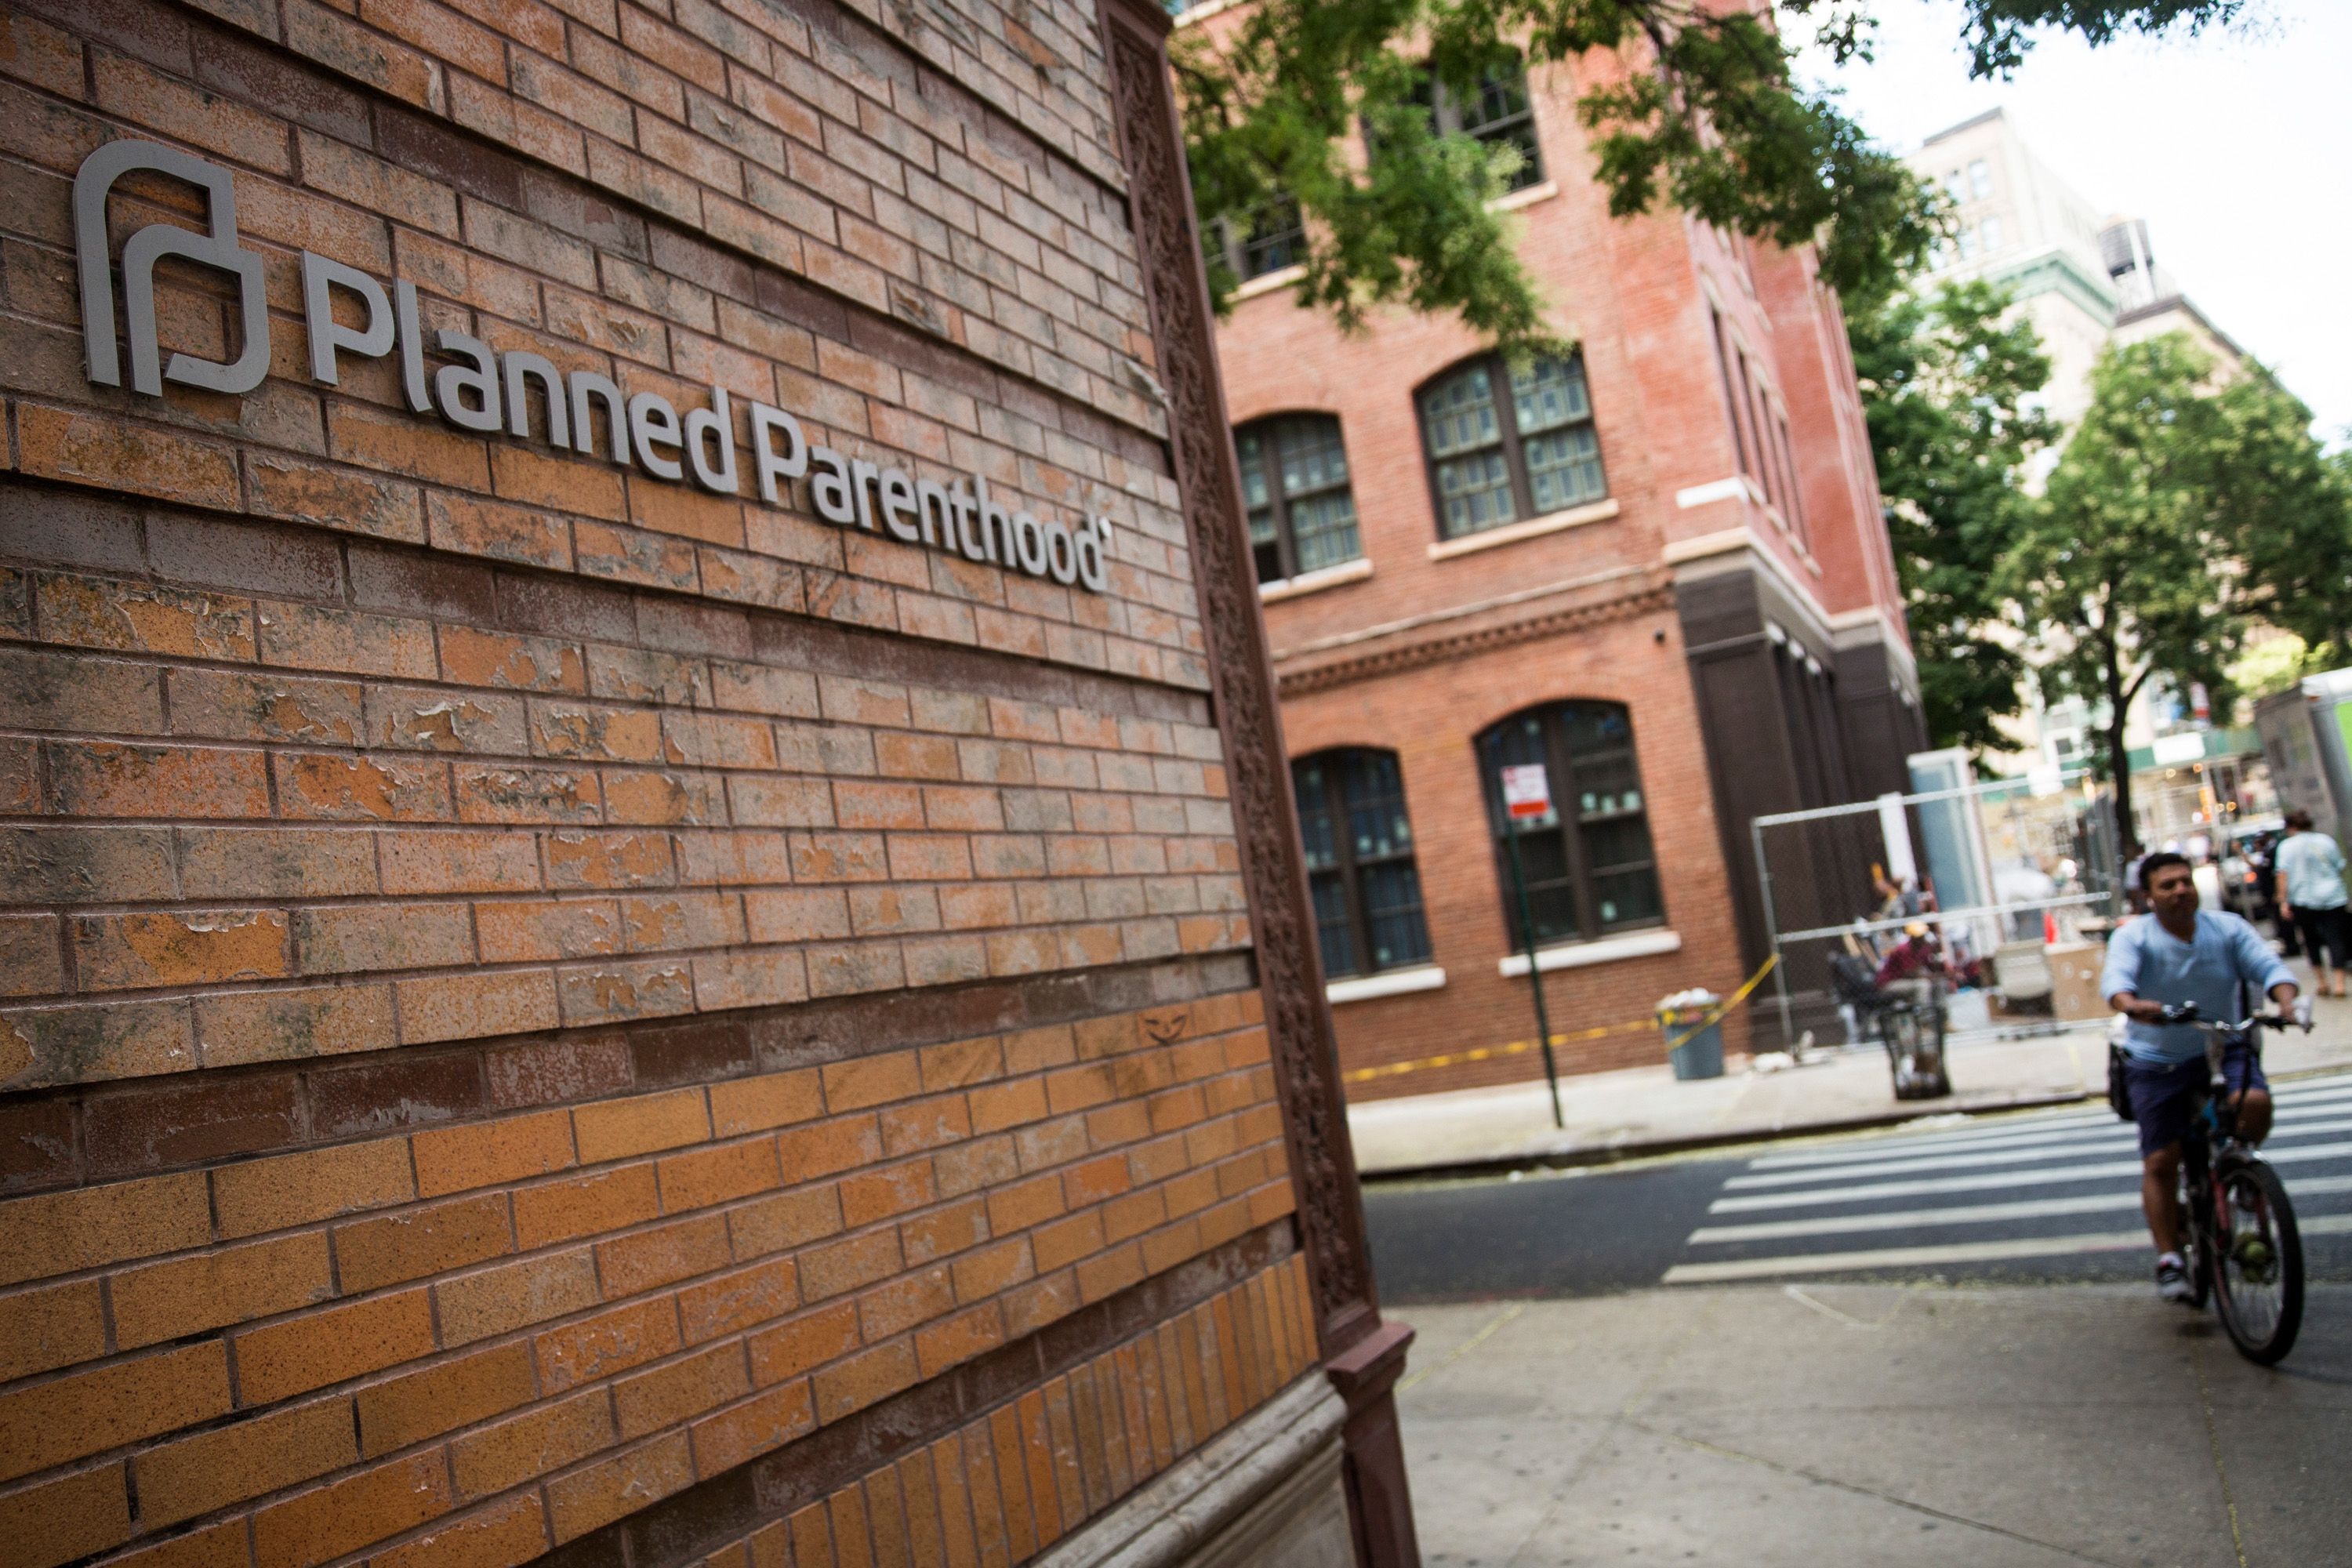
{"x":460,"y":379}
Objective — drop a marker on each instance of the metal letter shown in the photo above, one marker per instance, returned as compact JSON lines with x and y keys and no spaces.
{"x":149,"y":245}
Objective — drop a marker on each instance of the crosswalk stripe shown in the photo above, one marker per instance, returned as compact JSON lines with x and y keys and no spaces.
{"x":1969,"y":1159}
{"x":1906,"y":1219}
{"x":1953,"y":1252}
{"x":1986,"y":1182}
{"x":1906,"y":1257}
{"x":1968,"y":1214}
{"x":2105,"y":1128}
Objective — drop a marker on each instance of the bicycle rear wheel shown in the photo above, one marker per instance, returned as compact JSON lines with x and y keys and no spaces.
{"x":2257,"y":1261}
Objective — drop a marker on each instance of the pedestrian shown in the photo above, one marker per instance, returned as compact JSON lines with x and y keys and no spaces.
{"x":2312,"y":893}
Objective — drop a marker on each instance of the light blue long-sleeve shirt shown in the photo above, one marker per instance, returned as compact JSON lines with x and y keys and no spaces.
{"x":2155,"y":965}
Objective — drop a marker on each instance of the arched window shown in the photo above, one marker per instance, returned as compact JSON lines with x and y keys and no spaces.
{"x":1302,"y":515}
{"x":1507,"y":444}
{"x":1359,"y":865}
{"x":1588,"y":865}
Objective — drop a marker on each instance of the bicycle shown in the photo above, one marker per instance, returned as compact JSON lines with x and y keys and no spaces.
{"x":2245,"y":1250}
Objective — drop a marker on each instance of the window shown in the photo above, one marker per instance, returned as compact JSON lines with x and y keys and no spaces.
{"x":1979,"y":178}
{"x":1270,"y":239}
{"x":1507,"y":444}
{"x":1588,"y":865}
{"x":1989,"y":235}
{"x":1359,"y":866}
{"x":1498,"y":114}
{"x":1730,"y":399}
{"x":1302,"y":515}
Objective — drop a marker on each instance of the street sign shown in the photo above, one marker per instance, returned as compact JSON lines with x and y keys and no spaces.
{"x":1527,"y":793}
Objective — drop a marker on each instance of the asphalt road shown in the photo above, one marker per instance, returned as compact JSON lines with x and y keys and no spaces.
{"x":2047,"y":1198}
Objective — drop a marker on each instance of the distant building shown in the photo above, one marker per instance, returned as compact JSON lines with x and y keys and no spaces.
{"x":1655,"y":567}
{"x":2084,"y":281}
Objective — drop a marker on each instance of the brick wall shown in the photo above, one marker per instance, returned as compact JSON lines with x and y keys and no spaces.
{"x":541,"y":1008}
{"x":1430,"y":717}
{"x":530,"y":1323}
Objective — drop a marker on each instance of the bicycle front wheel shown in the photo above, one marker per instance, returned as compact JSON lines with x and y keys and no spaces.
{"x":2257,"y":1261}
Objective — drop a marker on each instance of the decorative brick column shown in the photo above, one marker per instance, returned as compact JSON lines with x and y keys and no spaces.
{"x":1365,"y":1356}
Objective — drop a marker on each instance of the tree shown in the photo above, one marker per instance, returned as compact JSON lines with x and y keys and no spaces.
{"x":2125,"y":571}
{"x":1687,"y":101}
{"x":1948,"y":389}
{"x":2297,"y":558}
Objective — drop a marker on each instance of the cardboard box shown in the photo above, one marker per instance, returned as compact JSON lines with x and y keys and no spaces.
{"x":2074,"y":979}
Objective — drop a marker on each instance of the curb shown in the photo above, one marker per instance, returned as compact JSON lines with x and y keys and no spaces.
{"x":1622,"y":1153}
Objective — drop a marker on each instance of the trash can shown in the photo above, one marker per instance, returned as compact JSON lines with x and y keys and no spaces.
{"x":1700,"y":1055}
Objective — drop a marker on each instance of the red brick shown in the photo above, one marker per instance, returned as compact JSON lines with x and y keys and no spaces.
{"x":281,"y":1026}
{"x":317,"y":1526}
{"x":465,"y":1006}
{"x":678,"y":1391}
{"x":509,"y":1149}
{"x":744,"y":1431}
{"x":72,"y":1517}
{"x":229,"y":1284}
{"x":444,"y":1396}
{"x":582,"y":1501}
{"x":613,"y":1130}
{"x":664,"y":1255}
{"x":511,"y":1531}
{"x":103,"y":778}
{"x":93,"y":449}
{"x":421,"y":1242}
{"x":508,"y":1296}
{"x":90,"y":1411}
{"x":59,"y":1325}
{"x":790,"y":1349}
{"x":228,"y":1464}
{"x":281,"y":1360}
{"x":493,"y":1459}
{"x":59,"y":1233}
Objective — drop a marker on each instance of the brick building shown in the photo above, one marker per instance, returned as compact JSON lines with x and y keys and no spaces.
{"x":1657,"y":569}
{"x":649,"y":911}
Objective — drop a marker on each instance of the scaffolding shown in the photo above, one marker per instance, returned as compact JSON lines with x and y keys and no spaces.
{"x":1991,"y":865}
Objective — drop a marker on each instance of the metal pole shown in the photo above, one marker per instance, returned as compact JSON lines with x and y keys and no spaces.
{"x":1773,"y":932}
{"x":1535,"y":976}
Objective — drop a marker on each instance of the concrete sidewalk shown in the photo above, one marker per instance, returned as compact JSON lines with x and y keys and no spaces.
{"x":1829,"y":1426}
{"x":1637,"y":1111}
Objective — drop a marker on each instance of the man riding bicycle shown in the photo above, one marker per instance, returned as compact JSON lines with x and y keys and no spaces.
{"x":2179,"y":953}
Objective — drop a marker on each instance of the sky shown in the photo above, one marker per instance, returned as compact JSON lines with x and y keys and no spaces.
{"x":2236,"y":145}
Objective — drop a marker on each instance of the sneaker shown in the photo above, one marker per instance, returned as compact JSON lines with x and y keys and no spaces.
{"x":2172,"y":1279}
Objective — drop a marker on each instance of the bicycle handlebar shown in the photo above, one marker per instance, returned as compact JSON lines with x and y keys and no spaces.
{"x":2187,"y":1012}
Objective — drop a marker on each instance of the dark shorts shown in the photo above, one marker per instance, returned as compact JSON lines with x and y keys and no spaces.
{"x":2162,"y":1097}
{"x":2326,"y":931}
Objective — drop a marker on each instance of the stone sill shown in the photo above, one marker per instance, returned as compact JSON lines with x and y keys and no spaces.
{"x":1606,"y":950}
{"x":1267,"y":283}
{"x":1388,"y":982}
{"x":1535,"y":527}
{"x":1315,"y":582}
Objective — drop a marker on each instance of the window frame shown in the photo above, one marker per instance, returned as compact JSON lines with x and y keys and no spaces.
{"x":1560,"y":770}
{"x":1286,"y":538}
{"x":1234,"y":245}
{"x":1351,"y":869}
{"x":1507,"y":419}
{"x":1447,"y":118}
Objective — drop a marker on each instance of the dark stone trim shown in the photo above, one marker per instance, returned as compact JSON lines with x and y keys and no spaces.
{"x":1201,"y":446}
{"x":709,"y":1514}
{"x":89,"y":1133}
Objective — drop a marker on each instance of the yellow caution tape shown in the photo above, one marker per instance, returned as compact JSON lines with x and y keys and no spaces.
{"x":1518,"y":1048}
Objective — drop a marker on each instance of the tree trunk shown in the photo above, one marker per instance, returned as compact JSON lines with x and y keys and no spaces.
{"x":2119,"y":759}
